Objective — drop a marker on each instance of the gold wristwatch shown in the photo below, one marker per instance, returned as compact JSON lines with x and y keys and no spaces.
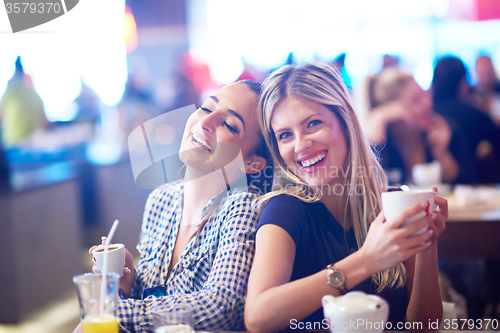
{"x":335,"y":279}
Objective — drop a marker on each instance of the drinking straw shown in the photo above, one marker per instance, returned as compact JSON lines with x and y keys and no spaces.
{"x":105,"y":266}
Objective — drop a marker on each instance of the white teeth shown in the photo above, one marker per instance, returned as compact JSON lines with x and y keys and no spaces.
{"x":314,"y":160}
{"x":202,"y":142}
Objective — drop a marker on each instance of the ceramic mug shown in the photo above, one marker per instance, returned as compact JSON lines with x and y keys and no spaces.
{"x":394,"y":203}
{"x":116,"y":258}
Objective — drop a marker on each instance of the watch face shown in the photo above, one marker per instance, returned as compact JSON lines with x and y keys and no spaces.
{"x":337,"y":279}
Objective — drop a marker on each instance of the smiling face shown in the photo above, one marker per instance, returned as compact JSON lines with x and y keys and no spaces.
{"x":310,"y":140}
{"x":224,"y":124}
{"x":418,"y":102}
{"x":485,"y":72}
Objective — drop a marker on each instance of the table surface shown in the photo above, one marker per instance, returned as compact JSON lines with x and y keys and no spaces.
{"x":472,"y":231}
{"x":478,"y":212}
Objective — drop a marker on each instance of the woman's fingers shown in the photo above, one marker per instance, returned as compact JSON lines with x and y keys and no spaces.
{"x":438,"y":226}
{"x":380,"y":218}
{"x":412,"y":228}
{"x":103,"y":241}
{"x":399,"y":219}
{"x":96,"y":269}
{"x":443,"y":205}
{"x":414,"y":250}
{"x":406,"y":236}
{"x":440,"y":222}
{"x":417,"y":240}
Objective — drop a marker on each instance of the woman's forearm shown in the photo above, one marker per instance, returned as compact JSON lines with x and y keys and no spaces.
{"x":425,"y":302}
{"x":276,"y":307}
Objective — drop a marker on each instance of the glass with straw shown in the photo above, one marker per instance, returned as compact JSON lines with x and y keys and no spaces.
{"x":98,"y":296}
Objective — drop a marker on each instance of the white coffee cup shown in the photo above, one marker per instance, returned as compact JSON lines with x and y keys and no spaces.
{"x":116,"y":258}
{"x":395,"y":202}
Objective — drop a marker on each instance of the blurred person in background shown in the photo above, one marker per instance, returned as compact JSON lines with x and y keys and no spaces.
{"x":450,"y":91}
{"x":390,"y":61}
{"x":339,"y":64}
{"x":176,"y":90}
{"x":88,"y":105}
{"x":21,"y":109}
{"x":486,"y":97}
{"x":405,"y":130}
{"x":403,"y":126}
{"x":486,"y":93}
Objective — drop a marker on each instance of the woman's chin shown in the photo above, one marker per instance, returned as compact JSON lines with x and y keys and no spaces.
{"x":328,"y":186}
{"x":314,"y":183}
{"x":200,"y":162}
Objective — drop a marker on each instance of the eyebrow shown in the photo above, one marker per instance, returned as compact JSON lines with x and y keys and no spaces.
{"x":237,"y":115}
{"x":234,"y":113}
{"x":305,"y":120}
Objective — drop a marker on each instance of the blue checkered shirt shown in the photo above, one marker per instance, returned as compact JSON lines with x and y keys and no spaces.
{"x":211,"y":274}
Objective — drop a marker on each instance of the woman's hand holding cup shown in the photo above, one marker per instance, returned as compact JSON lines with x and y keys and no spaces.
{"x":439,"y":223}
{"x":126,"y":280}
{"x":389,"y":242}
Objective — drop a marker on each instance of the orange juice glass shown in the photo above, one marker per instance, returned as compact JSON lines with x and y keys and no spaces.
{"x":100,"y":324}
{"x":98,"y":314}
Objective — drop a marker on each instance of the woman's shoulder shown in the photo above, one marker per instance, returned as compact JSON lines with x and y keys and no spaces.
{"x":241,"y":193}
{"x":287,"y":207}
{"x":166,"y":192}
{"x":236,"y":208}
{"x":176,"y":186}
{"x":290,"y":213}
{"x":287,"y":200}
{"x":240,"y":198}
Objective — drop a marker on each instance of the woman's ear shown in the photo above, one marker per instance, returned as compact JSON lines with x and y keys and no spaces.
{"x":254,"y":164}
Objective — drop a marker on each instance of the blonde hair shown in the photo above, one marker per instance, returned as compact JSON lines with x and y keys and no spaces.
{"x":320,"y":83}
{"x":385,"y":86}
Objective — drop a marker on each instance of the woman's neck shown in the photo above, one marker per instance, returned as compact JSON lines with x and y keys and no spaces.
{"x":336,"y":204}
{"x":197,"y":192}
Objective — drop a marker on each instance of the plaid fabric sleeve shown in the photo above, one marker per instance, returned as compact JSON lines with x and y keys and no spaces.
{"x":147,"y":223}
{"x":219,"y":305}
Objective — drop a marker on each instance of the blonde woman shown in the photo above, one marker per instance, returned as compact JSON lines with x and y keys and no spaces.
{"x":326,"y":211}
{"x":402,"y":125}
